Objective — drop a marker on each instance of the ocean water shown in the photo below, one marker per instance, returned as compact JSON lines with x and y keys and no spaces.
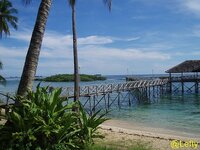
{"x":180,"y":113}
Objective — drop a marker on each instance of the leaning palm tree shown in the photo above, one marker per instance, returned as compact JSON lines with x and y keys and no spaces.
{"x":72,"y":3}
{"x":33,"y":53}
{"x":2,"y":79}
{"x":7,"y":17}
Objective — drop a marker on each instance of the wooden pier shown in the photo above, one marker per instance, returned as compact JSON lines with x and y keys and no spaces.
{"x":105,"y":96}
{"x":184,"y":77}
{"x":102,"y":89}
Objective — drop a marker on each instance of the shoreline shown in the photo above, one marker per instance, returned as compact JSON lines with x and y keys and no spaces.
{"x":122,"y":131}
{"x":139,"y":129}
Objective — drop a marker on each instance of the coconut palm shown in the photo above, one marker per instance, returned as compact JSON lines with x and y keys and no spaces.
{"x":2,"y":79}
{"x":72,"y":3}
{"x":33,"y":53}
{"x":7,"y":17}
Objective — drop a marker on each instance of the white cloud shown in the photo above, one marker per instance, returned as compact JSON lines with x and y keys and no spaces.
{"x":55,"y":40}
{"x":122,"y":54}
{"x":126,"y":39}
{"x":94,"y":40}
{"x":12,"y":52}
{"x":94,"y":55}
{"x":193,"y":6}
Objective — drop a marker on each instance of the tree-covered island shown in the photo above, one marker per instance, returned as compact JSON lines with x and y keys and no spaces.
{"x":70,"y":78}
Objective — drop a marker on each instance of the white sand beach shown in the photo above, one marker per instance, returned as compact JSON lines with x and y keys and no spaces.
{"x":117,"y":130}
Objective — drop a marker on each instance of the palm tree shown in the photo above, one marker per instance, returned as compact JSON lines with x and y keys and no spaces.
{"x":75,"y":53}
{"x":33,"y":53}
{"x":72,"y":3}
{"x":7,"y":17}
{"x":2,"y":79}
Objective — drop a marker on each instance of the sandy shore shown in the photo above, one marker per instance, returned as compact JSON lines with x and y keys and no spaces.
{"x":160,"y":139}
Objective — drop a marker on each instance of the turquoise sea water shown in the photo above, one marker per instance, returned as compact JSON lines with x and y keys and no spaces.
{"x":180,"y":113}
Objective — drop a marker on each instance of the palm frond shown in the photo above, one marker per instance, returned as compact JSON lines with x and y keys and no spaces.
{"x":2,"y":80}
{"x":7,"y":17}
{"x":13,"y":11}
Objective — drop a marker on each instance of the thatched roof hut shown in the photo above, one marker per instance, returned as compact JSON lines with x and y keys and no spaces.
{"x":186,"y":66}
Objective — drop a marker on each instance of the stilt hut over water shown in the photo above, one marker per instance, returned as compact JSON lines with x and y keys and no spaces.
{"x":186,"y":71}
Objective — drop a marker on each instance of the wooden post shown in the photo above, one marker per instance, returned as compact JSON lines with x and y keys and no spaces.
{"x":196,"y":87}
{"x":149,"y":92}
{"x":119,"y":100}
{"x":153,"y":91}
{"x":94,"y":107}
{"x":170,"y":83}
{"x":157,"y":92}
{"x":90,"y":105}
{"x":182,"y":83}
{"x":105,"y":102}
{"x":161,"y":90}
{"x":129,"y":98}
{"x":108,"y":101}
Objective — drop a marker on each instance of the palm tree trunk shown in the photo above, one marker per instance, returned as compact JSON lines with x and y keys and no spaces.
{"x":76,"y":69}
{"x":33,"y":53}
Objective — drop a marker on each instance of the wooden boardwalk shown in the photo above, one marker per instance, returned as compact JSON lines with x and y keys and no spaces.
{"x":86,"y":91}
{"x":108,"y":96}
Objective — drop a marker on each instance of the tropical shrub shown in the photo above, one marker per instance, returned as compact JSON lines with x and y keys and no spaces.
{"x":44,"y":120}
{"x":89,"y":126}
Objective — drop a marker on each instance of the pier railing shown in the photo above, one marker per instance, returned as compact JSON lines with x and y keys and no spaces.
{"x":187,"y":78}
{"x":115,"y":87}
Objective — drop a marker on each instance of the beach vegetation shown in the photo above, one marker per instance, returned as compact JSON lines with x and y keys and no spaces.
{"x":45,"y":120}
{"x":7,"y":17}
{"x":70,"y":78}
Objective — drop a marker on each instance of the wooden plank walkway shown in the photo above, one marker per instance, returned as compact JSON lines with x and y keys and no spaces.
{"x":86,"y":91}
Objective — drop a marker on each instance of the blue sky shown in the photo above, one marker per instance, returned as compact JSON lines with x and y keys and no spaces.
{"x":136,"y":37}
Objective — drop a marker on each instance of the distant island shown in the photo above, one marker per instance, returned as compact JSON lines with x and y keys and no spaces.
{"x":70,"y":78}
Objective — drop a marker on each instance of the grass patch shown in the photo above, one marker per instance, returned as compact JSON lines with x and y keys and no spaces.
{"x":139,"y":145}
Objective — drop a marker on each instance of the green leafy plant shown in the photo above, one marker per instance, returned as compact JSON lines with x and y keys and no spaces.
{"x":44,"y":120}
{"x":41,"y":120}
{"x":89,"y":126}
